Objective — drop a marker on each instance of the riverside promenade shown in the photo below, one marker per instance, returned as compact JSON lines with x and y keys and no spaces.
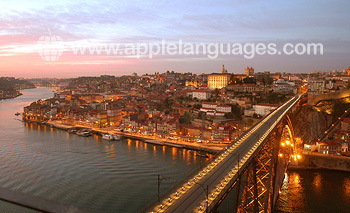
{"x":205,"y":147}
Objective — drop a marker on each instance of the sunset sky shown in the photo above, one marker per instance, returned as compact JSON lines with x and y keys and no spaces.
{"x":23,"y":22}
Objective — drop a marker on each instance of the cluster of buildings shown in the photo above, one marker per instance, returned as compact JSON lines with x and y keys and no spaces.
{"x":337,"y":145}
{"x":193,"y":107}
{"x":329,"y":81}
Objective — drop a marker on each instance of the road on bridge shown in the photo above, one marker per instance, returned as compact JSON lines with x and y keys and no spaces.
{"x":236,"y":154}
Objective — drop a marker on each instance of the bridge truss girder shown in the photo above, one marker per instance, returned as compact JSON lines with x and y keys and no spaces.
{"x":257,"y":181}
{"x":258,"y":185}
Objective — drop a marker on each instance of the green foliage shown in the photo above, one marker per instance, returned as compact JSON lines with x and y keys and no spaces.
{"x":272,"y":98}
{"x":235,"y":112}
{"x":201,"y":115}
{"x":197,"y":106}
{"x":236,"y":81}
{"x":249,"y":80}
{"x":269,"y":81}
{"x":185,"y":119}
{"x":167,"y":103}
{"x":216,"y":92}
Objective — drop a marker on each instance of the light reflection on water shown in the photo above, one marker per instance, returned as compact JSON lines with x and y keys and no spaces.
{"x":315,"y":191}
{"x":116,"y":176}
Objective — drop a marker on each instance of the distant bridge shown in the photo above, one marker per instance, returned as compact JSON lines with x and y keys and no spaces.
{"x":252,"y":167}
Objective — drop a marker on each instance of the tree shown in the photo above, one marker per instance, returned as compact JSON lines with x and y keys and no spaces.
{"x":201,"y":115}
{"x":229,"y":115}
{"x":197,"y":106}
{"x":249,"y":80}
{"x":185,"y":118}
{"x":269,"y":81}
{"x":166,"y":102}
{"x":216,"y":92}
{"x":235,"y":112}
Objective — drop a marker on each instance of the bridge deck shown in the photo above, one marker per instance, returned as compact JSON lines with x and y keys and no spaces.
{"x":193,"y":195}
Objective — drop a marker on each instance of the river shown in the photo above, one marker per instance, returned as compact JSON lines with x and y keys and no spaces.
{"x":122,"y":176}
{"x":119,"y":176}
{"x":315,"y":191}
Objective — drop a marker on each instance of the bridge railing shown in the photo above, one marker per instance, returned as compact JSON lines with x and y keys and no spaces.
{"x":194,"y":172}
{"x":245,"y":165}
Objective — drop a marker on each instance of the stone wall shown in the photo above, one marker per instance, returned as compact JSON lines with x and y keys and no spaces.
{"x":322,"y":162}
{"x":314,"y":99}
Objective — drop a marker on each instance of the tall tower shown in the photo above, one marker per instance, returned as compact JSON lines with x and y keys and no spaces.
{"x":246,"y":71}
{"x":251,"y":71}
{"x":223,"y":69}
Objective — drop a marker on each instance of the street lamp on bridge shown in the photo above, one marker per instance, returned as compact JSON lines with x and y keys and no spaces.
{"x":206,"y":191}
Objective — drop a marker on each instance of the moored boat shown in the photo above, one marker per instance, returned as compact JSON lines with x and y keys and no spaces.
{"x":84,"y":132}
{"x":204,"y":155}
{"x":107,"y":137}
{"x":72,"y":130}
{"x":116,"y":137}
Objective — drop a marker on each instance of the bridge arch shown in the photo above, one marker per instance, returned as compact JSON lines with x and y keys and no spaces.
{"x":259,"y":186}
{"x":250,"y":168}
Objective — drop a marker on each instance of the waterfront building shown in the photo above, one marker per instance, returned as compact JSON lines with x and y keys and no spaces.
{"x":329,"y":147}
{"x":114,"y":116}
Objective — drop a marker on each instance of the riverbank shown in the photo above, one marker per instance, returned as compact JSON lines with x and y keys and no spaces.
{"x":210,"y":148}
{"x":314,"y":161}
{"x":11,"y":97}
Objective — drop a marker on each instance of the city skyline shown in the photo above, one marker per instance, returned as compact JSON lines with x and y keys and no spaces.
{"x":23,"y":23}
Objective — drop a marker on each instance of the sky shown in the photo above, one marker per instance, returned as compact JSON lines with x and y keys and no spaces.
{"x":28,"y":29}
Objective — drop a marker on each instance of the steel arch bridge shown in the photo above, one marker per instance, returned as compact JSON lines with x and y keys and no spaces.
{"x":252,"y":168}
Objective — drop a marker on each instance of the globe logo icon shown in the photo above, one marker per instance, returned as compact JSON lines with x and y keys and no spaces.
{"x":50,"y":48}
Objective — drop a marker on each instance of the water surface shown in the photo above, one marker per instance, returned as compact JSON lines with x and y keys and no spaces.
{"x":87,"y":172}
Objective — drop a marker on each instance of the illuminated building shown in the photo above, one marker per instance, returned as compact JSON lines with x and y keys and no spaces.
{"x":249,"y":71}
{"x":316,"y":86}
{"x":218,"y":80}
{"x":190,"y":83}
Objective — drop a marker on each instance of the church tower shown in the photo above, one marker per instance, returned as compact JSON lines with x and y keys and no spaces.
{"x":223,"y":69}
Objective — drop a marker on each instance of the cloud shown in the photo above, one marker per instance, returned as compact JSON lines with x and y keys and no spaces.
{"x":23,"y":22}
